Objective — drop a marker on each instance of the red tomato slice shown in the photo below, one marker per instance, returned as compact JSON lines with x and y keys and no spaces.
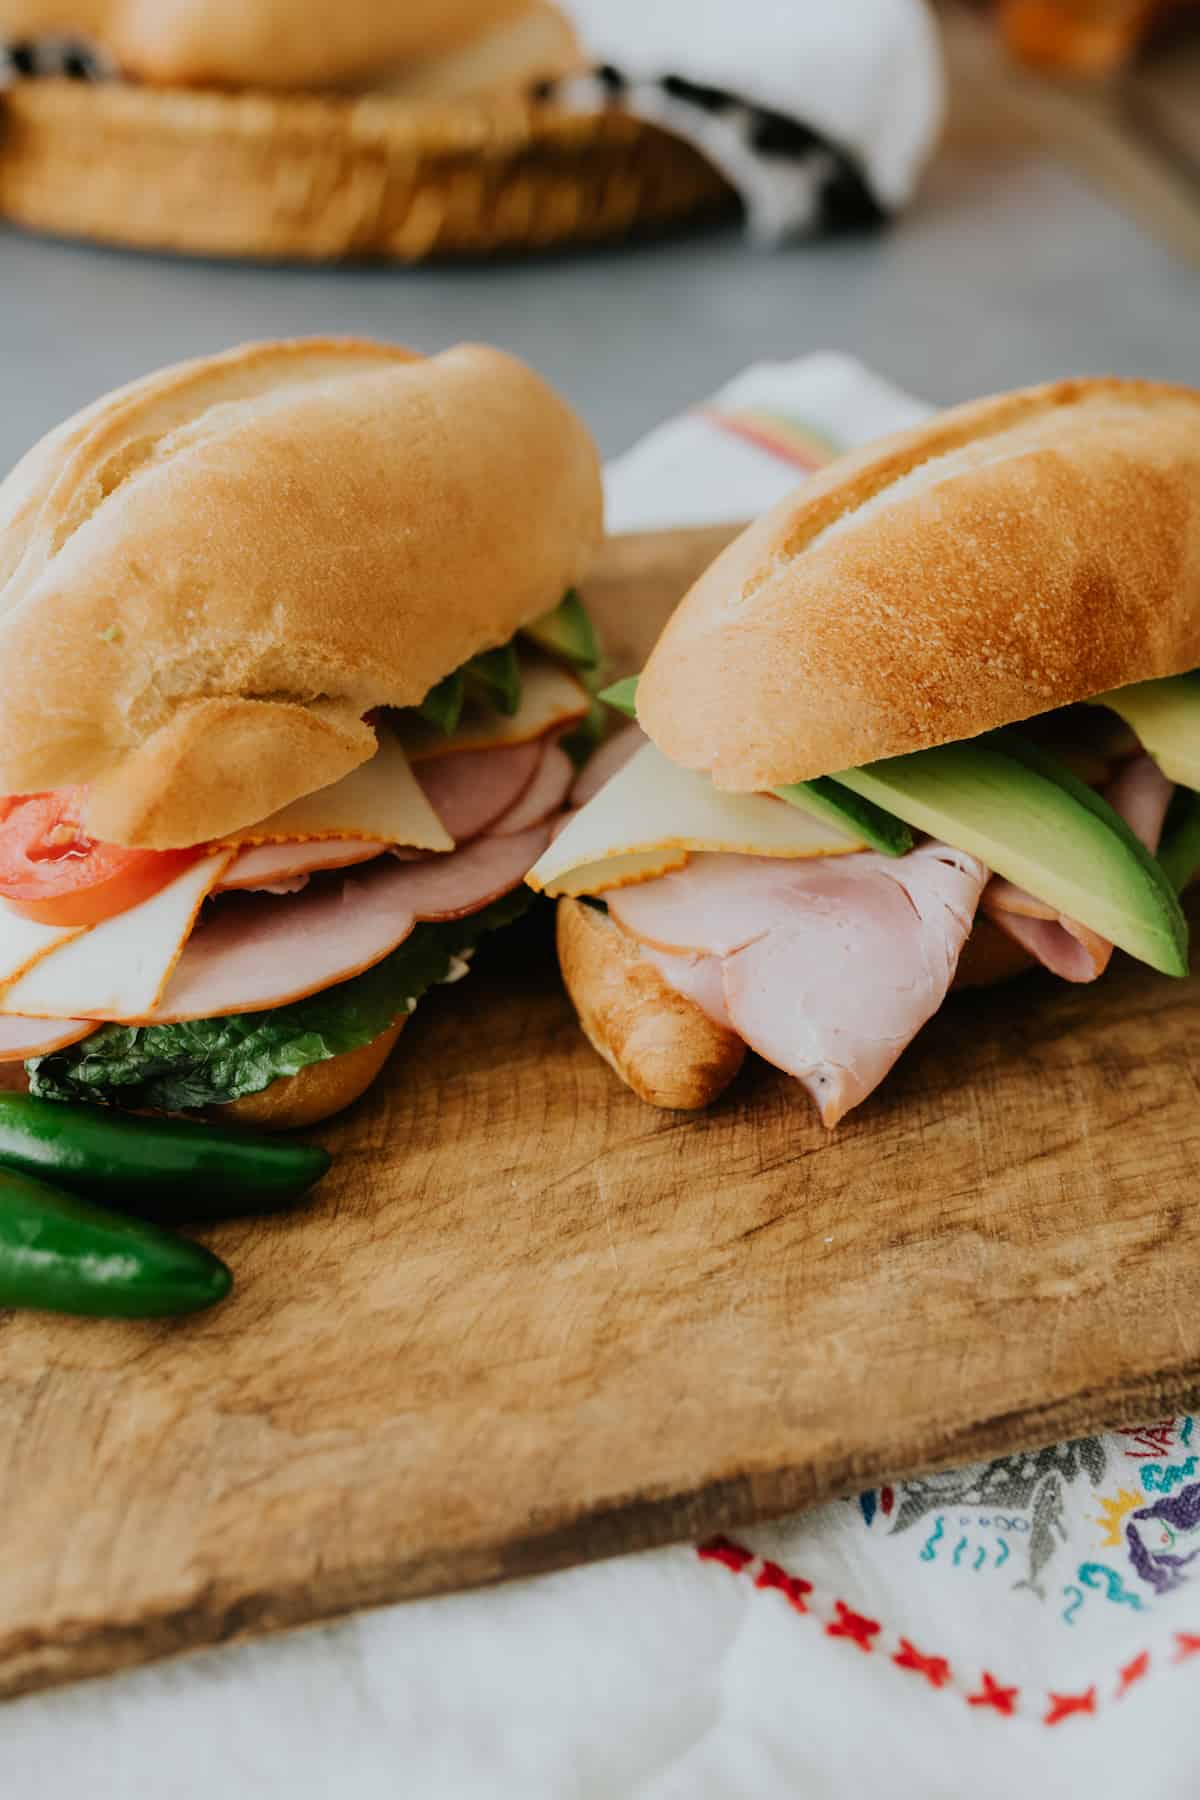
{"x":53,"y":872}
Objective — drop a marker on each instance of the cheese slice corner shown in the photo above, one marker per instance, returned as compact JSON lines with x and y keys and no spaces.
{"x":381,"y":800}
{"x":610,"y":872}
{"x":653,"y":808}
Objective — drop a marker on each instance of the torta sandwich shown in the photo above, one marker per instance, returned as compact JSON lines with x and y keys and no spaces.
{"x":292,"y":652}
{"x":932,"y":719}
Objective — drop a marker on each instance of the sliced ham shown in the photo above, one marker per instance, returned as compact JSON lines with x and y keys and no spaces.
{"x":698,"y":977}
{"x":611,"y":757}
{"x":22,"y":1038}
{"x":718,"y":901}
{"x":1141,"y":794}
{"x":829,"y":968}
{"x":544,"y":795}
{"x":254,"y":951}
{"x":272,"y":865}
{"x":473,"y":789}
{"x":1064,"y":946}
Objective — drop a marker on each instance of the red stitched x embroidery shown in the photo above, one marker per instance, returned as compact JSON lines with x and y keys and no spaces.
{"x":1155,"y":1440}
{"x":793,"y":1586}
{"x":1186,"y":1644}
{"x":1063,"y":1705}
{"x":724,"y":1550}
{"x":1004,"y":1699}
{"x":935,"y":1669}
{"x":1134,"y":1671}
{"x":853,"y":1625}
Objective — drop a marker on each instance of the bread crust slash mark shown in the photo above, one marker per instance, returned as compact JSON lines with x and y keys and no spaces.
{"x":1011,"y":556}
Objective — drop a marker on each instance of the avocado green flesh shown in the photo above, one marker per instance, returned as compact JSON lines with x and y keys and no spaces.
{"x":826,"y":799}
{"x":1036,"y":832}
{"x":567,"y":632}
{"x":1166,"y":718}
{"x":1179,"y":852}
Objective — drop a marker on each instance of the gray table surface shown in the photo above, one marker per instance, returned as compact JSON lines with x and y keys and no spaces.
{"x":1008,"y":270}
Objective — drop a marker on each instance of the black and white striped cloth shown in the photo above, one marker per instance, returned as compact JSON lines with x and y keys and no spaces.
{"x":793,"y":182}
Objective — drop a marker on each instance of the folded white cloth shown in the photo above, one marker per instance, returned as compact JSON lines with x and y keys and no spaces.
{"x":1026,"y":1626}
{"x":819,"y":115}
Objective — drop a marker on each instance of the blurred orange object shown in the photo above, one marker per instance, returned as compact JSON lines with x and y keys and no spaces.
{"x":1080,"y":37}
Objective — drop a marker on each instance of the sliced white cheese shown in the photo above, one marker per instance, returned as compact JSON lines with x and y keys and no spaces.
{"x":22,"y":943}
{"x":652,"y":804}
{"x":381,"y":800}
{"x":550,"y":698}
{"x":616,"y":872}
{"x":118,"y":969}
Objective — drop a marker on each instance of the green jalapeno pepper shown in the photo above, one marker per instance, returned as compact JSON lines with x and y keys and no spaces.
{"x":165,"y":1169}
{"x":61,"y":1254}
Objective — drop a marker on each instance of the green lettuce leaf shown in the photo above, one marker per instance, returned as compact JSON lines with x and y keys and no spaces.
{"x":493,"y":677}
{"x":443,"y":704}
{"x":622,"y":695}
{"x":206,"y":1062}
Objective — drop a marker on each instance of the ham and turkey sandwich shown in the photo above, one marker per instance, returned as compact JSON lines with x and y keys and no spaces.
{"x":295,"y":675}
{"x":933,"y":719}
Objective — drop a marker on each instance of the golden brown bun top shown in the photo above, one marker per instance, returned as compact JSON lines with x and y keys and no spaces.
{"x":262,"y":43}
{"x":538,"y":44}
{"x":208,"y":578}
{"x":1008,"y":557}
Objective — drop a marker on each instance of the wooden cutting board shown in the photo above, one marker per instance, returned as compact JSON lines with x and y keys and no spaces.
{"x":529,"y":1321}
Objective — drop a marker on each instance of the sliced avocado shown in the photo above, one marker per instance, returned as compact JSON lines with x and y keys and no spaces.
{"x":567,"y":632}
{"x":1179,"y":852}
{"x":622,"y":695}
{"x":1002,"y":800}
{"x":1166,"y":718}
{"x":827,"y":799}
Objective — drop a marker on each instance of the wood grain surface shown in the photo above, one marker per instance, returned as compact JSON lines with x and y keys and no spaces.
{"x":529,"y":1321}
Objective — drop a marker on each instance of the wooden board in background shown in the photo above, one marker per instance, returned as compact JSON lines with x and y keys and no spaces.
{"x":530,"y":1321}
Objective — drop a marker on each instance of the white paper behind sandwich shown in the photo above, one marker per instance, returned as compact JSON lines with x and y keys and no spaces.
{"x":903,"y":647}
{"x":258,"y":595}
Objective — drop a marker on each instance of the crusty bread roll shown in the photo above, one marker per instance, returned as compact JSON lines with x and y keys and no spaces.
{"x":659,"y":1042}
{"x":1006,"y":558}
{"x":261,"y":43}
{"x":208,"y":578}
